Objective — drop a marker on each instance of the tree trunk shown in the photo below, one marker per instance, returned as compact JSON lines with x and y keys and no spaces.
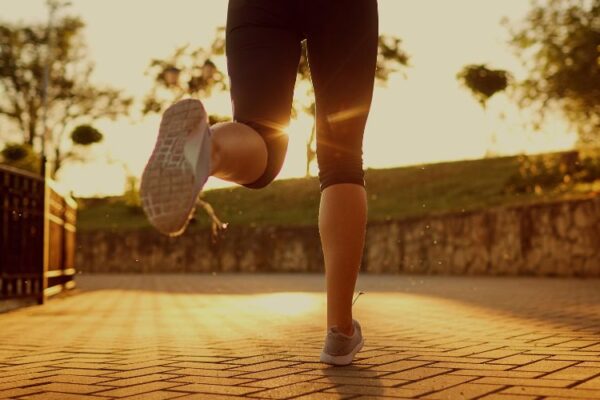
{"x":57,"y":162}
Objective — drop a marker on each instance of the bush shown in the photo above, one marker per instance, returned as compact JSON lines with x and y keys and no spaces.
{"x":21,"y":156}
{"x":131,"y":195}
{"x":546,"y":172}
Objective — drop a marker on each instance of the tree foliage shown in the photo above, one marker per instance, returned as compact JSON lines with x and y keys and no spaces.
{"x":20,"y":155}
{"x":72,"y":98}
{"x":483,"y":82}
{"x":187,"y":72}
{"x":559,"y":44}
{"x":85,"y":135}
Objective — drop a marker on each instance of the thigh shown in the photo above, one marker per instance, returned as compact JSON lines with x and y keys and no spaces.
{"x":263,"y":51}
{"x":342,"y":39}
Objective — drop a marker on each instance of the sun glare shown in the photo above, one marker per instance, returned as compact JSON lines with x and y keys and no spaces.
{"x":288,"y":304}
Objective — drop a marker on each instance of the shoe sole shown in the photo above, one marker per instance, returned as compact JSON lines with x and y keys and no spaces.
{"x":169,"y":188}
{"x":342,"y":360}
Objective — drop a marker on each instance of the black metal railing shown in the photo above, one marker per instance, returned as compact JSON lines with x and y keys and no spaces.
{"x":37,"y":237}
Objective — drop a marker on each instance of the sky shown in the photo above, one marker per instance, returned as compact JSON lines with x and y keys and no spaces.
{"x":420,"y":116}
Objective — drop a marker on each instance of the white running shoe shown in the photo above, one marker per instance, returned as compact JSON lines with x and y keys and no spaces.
{"x":178,"y":167}
{"x":339,"y":348}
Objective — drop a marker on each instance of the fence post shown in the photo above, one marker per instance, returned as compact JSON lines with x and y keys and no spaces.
{"x":46,"y":242}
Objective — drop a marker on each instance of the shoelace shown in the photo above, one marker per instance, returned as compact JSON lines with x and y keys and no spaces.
{"x":357,"y":296}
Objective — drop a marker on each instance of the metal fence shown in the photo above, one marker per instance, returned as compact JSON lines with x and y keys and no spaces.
{"x":37,"y":237}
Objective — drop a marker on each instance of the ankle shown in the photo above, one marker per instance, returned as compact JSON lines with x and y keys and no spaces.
{"x":346,"y":329}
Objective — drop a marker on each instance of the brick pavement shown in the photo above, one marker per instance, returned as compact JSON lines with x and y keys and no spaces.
{"x":258,"y":336}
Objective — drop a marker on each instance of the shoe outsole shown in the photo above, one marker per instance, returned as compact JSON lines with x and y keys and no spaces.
{"x":342,"y":360}
{"x":169,"y":188}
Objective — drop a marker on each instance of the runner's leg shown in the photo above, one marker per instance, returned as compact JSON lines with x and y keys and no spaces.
{"x":263,"y":51}
{"x":342,"y":49}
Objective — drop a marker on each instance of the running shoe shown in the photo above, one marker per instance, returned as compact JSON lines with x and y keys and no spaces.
{"x":339,"y":348}
{"x":178,"y":167}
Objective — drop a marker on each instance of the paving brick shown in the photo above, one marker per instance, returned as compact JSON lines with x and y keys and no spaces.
{"x":81,"y":372}
{"x":346,"y":372}
{"x":62,"y":396}
{"x":27,"y":376}
{"x":593,"y":383}
{"x":129,"y":365}
{"x":378,"y":360}
{"x":206,"y":372}
{"x":376,"y":391}
{"x":465,"y":391}
{"x":138,"y":372}
{"x":138,"y":380}
{"x":194,"y":358}
{"x":545,"y":366}
{"x":470,"y":360}
{"x":438,"y":382}
{"x":282,"y":381}
{"x":590,"y":364}
{"x":324,"y":396}
{"x":18,"y":374}
{"x":80,"y":364}
{"x":263,"y":366}
{"x":68,"y":388}
{"x":520,"y":359}
{"x":210,"y":380}
{"x":379,"y":398}
{"x":484,"y":367}
{"x":138,"y":389}
{"x":79,"y":379}
{"x":557,"y":392}
{"x":577,"y":344}
{"x":17,"y":392}
{"x":216,"y":389}
{"x":418,"y":373}
{"x":158,"y":395}
{"x":498,"y":353}
{"x":575,"y":357}
{"x":199,"y":365}
{"x":351,"y":380}
{"x":257,"y":359}
{"x":503,"y":374}
{"x":399,"y":365}
{"x":209,"y":396}
{"x":504,"y":396}
{"x":525,"y":382}
{"x":575,"y":373}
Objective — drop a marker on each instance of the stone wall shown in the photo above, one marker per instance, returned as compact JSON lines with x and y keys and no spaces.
{"x":555,"y":239}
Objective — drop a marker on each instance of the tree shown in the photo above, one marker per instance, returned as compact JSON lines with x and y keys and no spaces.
{"x":20,"y":156}
{"x":484,"y":83}
{"x":72,"y":98}
{"x":559,"y":44}
{"x":194,"y":67}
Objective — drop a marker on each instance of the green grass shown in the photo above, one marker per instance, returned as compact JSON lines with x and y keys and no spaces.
{"x":393,"y":194}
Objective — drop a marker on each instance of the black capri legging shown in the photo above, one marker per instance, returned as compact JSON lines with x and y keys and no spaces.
{"x":263,"y":46}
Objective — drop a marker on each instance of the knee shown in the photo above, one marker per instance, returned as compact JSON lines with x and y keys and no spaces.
{"x":276,"y":141}
{"x":335,"y":169}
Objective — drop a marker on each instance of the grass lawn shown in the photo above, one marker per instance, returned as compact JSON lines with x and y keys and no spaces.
{"x":393,"y":194}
